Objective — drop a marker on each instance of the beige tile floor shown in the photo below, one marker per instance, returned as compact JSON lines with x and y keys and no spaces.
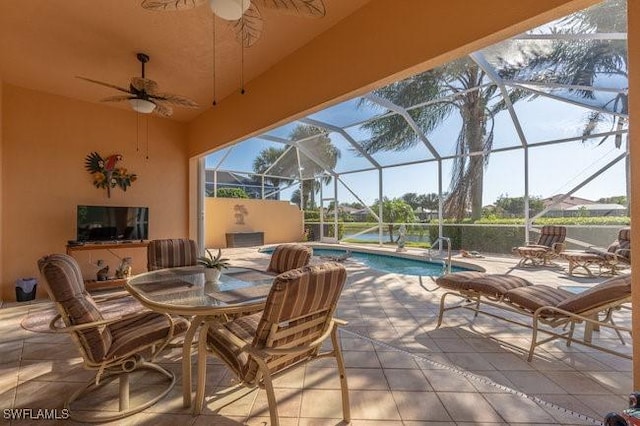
{"x":401,"y":369}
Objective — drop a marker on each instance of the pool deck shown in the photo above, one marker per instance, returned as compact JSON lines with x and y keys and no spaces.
{"x":401,"y":370}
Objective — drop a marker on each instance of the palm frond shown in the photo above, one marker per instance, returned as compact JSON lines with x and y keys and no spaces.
{"x":308,"y":8}
{"x":102,"y":83}
{"x":248,"y":28}
{"x":163,"y":5}
{"x":175,"y":100}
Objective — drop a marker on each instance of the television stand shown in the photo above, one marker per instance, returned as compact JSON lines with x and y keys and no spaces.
{"x":106,"y":245}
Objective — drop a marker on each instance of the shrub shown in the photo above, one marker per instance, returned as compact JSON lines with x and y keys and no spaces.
{"x":232,"y":193}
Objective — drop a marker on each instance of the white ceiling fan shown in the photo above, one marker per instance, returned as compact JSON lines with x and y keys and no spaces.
{"x":244,"y":15}
{"x":143,"y":94}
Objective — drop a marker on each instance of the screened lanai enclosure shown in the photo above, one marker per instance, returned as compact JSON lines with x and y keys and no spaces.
{"x":482,"y":150}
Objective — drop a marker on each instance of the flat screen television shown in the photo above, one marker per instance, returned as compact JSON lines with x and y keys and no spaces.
{"x":109,"y":223}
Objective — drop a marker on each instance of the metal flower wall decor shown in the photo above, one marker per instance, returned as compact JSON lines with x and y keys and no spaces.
{"x":105,"y":173}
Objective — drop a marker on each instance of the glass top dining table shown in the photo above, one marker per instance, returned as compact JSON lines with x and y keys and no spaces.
{"x":184,"y":291}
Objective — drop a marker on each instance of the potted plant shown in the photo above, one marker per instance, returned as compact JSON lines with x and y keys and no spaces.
{"x":213,"y":265}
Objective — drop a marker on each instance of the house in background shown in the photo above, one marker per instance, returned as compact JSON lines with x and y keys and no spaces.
{"x":576,"y":207}
{"x":595,"y":209}
{"x":250,"y":184}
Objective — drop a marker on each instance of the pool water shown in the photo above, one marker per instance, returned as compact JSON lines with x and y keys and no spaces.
{"x":390,"y":263}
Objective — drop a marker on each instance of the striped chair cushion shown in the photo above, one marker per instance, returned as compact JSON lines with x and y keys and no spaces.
{"x":536,"y":296}
{"x":490,"y":285}
{"x":295,"y":294}
{"x":458,"y":280}
{"x":289,"y":256}
{"x":65,"y":286}
{"x":623,"y":244}
{"x":171,"y":253}
{"x":142,"y":330}
{"x":611,"y":290}
{"x":228,"y":351}
{"x":549,"y":235}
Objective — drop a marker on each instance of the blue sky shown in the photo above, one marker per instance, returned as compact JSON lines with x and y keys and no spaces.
{"x":553,"y":168}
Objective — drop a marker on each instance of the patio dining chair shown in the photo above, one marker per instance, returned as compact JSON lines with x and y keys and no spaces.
{"x":549,"y":245}
{"x":113,"y":347}
{"x":297,"y":319}
{"x":286,"y":257}
{"x":171,"y":253}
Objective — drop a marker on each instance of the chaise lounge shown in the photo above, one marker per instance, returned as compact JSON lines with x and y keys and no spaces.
{"x":618,"y":255}
{"x":548,"y":308}
{"x":549,"y":245}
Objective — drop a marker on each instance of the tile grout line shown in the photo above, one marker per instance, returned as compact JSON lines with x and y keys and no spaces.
{"x":474,"y":377}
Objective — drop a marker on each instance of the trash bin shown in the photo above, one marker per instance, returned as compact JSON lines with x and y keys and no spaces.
{"x":26,"y":289}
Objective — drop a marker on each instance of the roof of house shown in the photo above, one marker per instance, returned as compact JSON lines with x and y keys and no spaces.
{"x":566,"y":203}
{"x":597,"y":206}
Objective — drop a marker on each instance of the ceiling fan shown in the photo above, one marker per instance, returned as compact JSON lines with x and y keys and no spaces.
{"x":244,"y":15}
{"x":143,"y":94}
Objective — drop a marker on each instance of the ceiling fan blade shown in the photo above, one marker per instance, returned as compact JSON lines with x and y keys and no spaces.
{"x":309,"y":8}
{"x":113,"y":86}
{"x":175,"y":100}
{"x":171,"y":4}
{"x":249,"y":28}
{"x":162,"y":109}
{"x":117,"y":98}
{"x":150,"y":87}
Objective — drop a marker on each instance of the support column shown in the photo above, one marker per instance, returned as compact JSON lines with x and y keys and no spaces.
{"x":633,"y":48}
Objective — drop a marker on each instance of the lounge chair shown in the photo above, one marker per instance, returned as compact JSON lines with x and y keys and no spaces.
{"x":548,"y":308}
{"x":548,"y":246}
{"x":618,"y":255}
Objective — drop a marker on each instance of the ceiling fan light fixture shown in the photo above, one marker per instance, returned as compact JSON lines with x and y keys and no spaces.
{"x":142,"y":106}
{"x":231,"y":10}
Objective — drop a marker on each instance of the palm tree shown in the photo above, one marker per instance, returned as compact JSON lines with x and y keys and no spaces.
{"x":457,"y":87}
{"x":283,"y":162}
{"x":581,"y":63}
{"x":264,"y":160}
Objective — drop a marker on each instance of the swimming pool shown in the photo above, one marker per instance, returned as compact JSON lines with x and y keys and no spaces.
{"x":389,"y":262}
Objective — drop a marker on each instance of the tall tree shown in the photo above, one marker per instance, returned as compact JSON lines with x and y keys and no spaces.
{"x":263,"y":162}
{"x":394,"y":211}
{"x":459,"y":87}
{"x":289,"y":163}
{"x":579,"y":64}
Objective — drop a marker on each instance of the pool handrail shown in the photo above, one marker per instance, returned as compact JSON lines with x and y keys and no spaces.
{"x":448,"y":240}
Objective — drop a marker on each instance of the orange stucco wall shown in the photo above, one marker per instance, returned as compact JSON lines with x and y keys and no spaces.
{"x":280,"y":221}
{"x":382,"y":42}
{"x":44,"y":144}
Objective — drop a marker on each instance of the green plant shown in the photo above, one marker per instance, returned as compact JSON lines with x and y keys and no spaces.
{"x":209,"y":261}
{"x":232,"y":193}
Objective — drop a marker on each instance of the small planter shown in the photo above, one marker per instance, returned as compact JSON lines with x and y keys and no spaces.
{"x":212,"y":274}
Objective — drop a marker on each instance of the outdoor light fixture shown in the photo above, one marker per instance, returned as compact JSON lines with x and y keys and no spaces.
{"x":230,"y":10}
{"x":142,"y":105}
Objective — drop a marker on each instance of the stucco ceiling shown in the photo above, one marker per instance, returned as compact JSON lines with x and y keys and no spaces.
{"x":45,"y":44}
